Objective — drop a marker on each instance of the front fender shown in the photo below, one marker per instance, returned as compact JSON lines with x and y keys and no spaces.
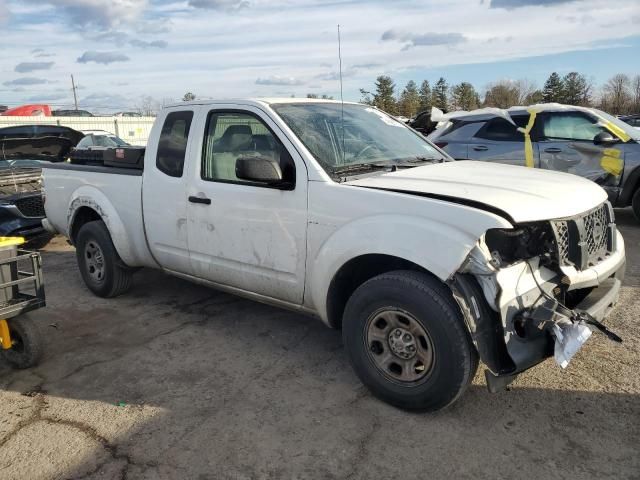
{"x":438,"y":247}
{"x":89,"y":196}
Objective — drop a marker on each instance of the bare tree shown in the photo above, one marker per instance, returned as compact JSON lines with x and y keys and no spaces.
{"x":617,"y":94}
{"x":148,"y":106}
{"x":635,"y":94}
{"x":525,"y":89}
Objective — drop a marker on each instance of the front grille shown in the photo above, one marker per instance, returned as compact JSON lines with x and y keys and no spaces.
{"x":585,"y":240}
{"x":595,"y":227}
{"x":562,"y":239}
{"x":31,"y":206}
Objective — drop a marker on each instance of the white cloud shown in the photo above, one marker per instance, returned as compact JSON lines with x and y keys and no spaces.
{"x":4,"y":12}
{"x":102,"y":57}
{"x":278,"y":80}
{"x":219,"y":4}
{"x":24,"y":67}
{"x":103,"y":13}
{"x":25,"y":81}
{"x":429,"y":39}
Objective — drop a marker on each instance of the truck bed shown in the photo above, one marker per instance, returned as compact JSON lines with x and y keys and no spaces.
{"x":82,"y":185}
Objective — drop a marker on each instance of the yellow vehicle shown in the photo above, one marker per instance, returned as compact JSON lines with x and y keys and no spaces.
{"x":21,"y":290}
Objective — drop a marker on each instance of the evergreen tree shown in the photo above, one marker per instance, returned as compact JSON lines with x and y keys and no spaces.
{"x":576,"y":89}
{"x":384,"y":97}
{"x":553,"y":90}
{"x":409,"y":100}
{"x":439,"y":97}
{"x":425,"y":96}
{"x":188,"y":97}
{"x":464,"y":97}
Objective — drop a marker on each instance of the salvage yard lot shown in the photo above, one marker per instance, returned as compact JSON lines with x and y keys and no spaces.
{"x":174,"y":380}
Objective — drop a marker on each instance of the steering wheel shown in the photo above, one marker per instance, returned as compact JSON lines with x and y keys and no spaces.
{"x":364,"y":150}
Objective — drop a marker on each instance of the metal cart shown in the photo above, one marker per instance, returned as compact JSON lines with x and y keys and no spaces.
{"x":21,"y":290}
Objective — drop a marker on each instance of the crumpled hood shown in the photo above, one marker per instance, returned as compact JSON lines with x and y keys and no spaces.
{"x":524,"y":194}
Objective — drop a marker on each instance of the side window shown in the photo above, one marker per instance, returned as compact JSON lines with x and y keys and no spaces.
{"x":85,"y":142}
{"x":570,"y":126}
{"x":232,"y":135}
{"x":500,"y":130}
{"x":172,"y":145}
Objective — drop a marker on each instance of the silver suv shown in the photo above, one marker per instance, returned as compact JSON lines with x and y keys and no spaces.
{"x":582,"y":141}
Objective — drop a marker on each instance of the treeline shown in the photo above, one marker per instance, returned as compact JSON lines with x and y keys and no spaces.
{"x":619,"y":95}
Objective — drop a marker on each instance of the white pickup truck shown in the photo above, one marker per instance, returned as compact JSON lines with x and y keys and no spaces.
{"x":339,"y":211}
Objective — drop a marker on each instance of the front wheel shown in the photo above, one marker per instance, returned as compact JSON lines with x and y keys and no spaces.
{"x":635,"y":204}
{"x":406,"y":340}
{"x":101,"y":267}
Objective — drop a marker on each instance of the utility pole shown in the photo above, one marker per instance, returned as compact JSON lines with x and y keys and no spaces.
{"x":74,"y":88}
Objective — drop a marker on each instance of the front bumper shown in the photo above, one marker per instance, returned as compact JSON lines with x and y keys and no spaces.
{"x":509,"y":311}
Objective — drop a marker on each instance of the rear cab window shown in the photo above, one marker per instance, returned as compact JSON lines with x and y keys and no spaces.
{"x":500,"y":130}
{"x":172,"y":145}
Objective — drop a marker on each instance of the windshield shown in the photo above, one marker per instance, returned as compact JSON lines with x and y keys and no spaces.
{"x":369,"y":137}
{"x":109,"y":141}
{"x":634,"y":133}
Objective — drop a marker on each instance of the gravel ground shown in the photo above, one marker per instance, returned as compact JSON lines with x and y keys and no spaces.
{"x":175,"y":381}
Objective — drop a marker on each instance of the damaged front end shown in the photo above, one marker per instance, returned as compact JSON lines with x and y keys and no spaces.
{"x":534,"y":291}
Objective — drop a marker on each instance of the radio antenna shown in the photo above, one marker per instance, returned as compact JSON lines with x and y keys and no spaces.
{"x":341,"y":91}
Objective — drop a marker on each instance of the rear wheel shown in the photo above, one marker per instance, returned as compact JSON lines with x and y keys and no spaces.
{"x":635,"y":204}
{"x":406,"y":340}
{"x":101,"y":267}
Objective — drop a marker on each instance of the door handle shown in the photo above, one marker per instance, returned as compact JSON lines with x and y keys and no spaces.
{"x":202,"y":200}
{"x":553,"y":150}
{"x":481,"y":148}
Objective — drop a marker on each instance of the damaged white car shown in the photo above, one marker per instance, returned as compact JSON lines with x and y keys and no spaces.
{"x":342,"y":212}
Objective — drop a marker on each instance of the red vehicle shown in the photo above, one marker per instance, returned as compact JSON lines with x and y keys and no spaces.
{"x":28,"y":111}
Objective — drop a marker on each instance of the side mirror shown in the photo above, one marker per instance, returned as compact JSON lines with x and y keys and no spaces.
{"x":259,"y":169}
{"x":604,"y":138}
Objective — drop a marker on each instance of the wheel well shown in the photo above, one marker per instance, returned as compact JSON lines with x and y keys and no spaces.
{"x":82,"y":216}
{"x":630,"y":186}
{"x":353,"y":274}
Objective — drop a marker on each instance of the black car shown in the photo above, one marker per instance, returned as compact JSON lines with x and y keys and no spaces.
{"x":423,"y":123}
{"x":633,"y":120}
{"x":22,"y":151}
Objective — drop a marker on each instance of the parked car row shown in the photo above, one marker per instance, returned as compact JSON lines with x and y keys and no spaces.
{"x":582,"y":141}
{"x":43,"y":110}
{"x":23,"y":151}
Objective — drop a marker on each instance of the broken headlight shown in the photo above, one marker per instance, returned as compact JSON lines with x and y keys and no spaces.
{"x":512,"y":245}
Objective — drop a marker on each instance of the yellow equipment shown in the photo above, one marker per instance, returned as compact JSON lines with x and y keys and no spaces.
{"x":21,"y":290}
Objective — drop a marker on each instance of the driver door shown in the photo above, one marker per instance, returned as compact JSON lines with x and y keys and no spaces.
{"x":245,"y":234}
{"x":567,"y":145}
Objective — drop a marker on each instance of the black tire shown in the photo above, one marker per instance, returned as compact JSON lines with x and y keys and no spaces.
{"x":27,"y":343}
{"x":38,"y":242}
{"x":431,"y":308}
{"x":114,"y":277}
{"x":635,"y":204}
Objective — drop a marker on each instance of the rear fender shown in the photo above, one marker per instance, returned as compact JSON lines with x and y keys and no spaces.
{"x":91,"y":197}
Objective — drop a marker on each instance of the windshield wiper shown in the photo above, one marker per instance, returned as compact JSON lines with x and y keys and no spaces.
{"x":416,"y":160}
{"x":358,"y":167}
